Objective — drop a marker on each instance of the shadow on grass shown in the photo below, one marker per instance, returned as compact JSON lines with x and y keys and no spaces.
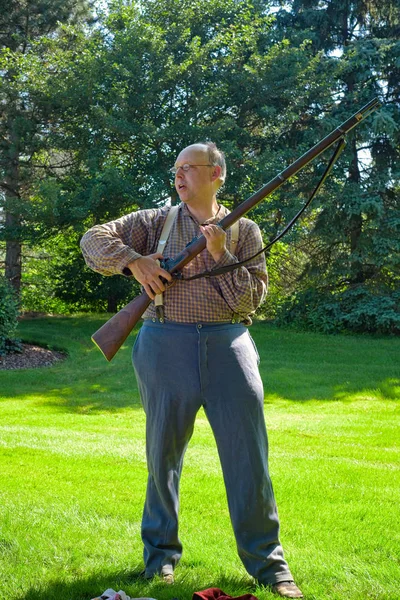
{"x":65,"y":390}
{"x":304,"y":386}
{"x":135,"y":586}
{"x":95,"y":398}
{"x":82,"y":589}
{"x":297,"y":367}
{"x":85,"y":382}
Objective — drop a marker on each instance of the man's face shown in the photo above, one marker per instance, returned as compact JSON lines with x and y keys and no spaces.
{"x":198,"y":183}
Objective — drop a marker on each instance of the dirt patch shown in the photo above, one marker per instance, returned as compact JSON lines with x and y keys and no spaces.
{"x":31,"y":357}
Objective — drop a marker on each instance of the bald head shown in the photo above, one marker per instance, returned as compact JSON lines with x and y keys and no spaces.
{"x":213,"y":156}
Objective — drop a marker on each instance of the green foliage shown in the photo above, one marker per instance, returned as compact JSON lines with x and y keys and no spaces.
{"x":21,"y":22}
{"x":8,"y":318}
{"x":159,"y":78}
{"x":351,"y":242}
{"x":356,"y":310}
{"x":27,"y":153}
{"x":58,"y":281}
{"x":84,"y":290}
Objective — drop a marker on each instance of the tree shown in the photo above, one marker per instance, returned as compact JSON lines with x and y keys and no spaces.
{"x":24,"y":125}
{"x":353,"y":248}
{"x":100,"y":115}
{"x":159,"y":76}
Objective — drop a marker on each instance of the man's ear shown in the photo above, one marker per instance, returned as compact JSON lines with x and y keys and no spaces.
{"x":216,"y":172}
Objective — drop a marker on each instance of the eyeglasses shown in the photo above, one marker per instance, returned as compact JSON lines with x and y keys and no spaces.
{"x":186,"y":167}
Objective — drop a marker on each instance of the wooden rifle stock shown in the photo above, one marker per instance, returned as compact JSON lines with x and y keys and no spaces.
{"x":110,"y":337}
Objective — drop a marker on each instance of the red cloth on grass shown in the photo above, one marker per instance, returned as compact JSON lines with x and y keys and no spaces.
{"x":217,"y":594}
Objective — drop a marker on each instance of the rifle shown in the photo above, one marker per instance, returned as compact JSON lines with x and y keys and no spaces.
{"x":110,"y":337}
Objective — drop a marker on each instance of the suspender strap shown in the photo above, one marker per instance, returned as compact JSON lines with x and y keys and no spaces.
{"x":158,"y":300}
{"x":167,"y":228}
{"x":234,"y":237}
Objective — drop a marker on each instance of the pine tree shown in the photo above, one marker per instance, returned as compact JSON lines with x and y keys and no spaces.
{"x":23,"y":125}
{"x":353,"y":249}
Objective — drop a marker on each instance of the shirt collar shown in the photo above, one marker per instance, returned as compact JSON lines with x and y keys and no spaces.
{"x":222,"y":212}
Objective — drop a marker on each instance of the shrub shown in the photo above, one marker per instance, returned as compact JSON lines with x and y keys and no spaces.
{"x":357,"y":310}
{"x":8,"y":318}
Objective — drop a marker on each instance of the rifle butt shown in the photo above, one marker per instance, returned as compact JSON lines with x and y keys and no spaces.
{"x":110,"y":337}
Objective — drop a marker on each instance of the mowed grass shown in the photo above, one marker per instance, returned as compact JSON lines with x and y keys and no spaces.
{"x":73,"y":472}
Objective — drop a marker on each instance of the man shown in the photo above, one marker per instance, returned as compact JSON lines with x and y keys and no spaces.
{"x":200,"y":355}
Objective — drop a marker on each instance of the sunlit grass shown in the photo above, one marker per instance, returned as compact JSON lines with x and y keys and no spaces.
{"x":73,"y":472}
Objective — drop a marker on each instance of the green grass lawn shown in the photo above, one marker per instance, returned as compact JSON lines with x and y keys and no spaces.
{"x":73,"y":472}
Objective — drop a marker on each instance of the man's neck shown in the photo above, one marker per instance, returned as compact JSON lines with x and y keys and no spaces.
{"x":204,"y":212}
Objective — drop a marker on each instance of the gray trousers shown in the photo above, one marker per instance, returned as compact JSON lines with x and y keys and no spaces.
{"x":179,"y":368}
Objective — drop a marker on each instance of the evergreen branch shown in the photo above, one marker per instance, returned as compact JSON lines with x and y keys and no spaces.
{"x":8,"y":188}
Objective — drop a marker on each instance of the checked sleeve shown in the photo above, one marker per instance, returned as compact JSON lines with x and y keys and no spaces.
{"x":110,"y":247}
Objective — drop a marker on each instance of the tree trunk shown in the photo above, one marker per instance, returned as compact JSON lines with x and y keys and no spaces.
{"x":13,"y":266}
{"x":356,"y":268}
{"x":13,"y":270}
{"x":174,"y":197}
{"x":112,"y":305}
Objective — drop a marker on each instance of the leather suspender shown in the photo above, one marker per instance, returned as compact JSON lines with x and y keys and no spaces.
{"x":234,"y":237}
{"x":159,"y":300}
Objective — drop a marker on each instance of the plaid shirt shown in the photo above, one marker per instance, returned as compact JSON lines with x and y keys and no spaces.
{"x":234,"y":296}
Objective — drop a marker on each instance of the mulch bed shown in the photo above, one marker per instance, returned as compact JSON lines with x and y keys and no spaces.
{"x":31,"y":357}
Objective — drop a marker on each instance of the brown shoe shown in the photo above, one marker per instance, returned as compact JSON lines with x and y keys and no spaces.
{"x":286,"y":589}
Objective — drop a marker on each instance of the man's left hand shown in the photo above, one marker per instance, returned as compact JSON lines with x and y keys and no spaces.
{"x":216,"y":240}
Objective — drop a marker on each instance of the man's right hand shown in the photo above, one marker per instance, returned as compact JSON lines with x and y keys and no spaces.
{"x":148,"y":272}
